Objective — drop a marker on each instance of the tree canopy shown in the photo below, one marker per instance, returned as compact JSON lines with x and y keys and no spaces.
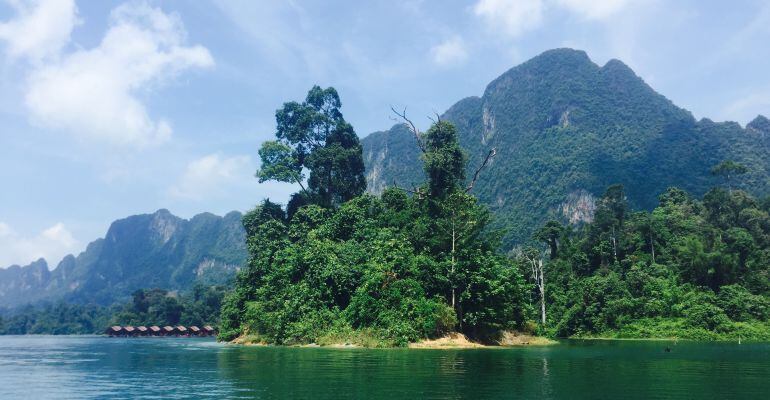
{"x":313,"y":136}
{"x":395,"y":268}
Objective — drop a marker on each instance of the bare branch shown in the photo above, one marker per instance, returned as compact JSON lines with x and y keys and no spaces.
{"x":416,"y":191}
{"x":491,"y":154}
{"x":410,"y":125}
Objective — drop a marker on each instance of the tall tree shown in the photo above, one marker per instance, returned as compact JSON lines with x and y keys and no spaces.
{"x":550,"y":234}
{"x":534,"y":259}
{"x":443,"y":160}
{"x":314,"y":136}
{"x":729,"y":169}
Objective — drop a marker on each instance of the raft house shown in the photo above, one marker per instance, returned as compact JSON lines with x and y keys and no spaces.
{"x":173,"y":331}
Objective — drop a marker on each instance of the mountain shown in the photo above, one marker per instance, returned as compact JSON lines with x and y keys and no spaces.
{"x":565,"y":129}
{"x":142,"y":251}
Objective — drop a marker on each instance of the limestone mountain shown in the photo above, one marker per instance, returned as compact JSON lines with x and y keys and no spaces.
{"x":142,"y":251}
{"x":565,"y":128}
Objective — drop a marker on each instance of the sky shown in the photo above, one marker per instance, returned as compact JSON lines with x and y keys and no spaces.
{"x":114,"y":108}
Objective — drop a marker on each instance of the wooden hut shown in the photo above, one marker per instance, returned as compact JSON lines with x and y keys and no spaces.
{"x":182,"y":331}
{"x":115,"y":331}
{"x":209,"y":331}
{"x":195,"y":331}
{"x":141,"y":330}
{"x":154,"y":331}
{"x":169,"y":331}
{"x":130,"y":330}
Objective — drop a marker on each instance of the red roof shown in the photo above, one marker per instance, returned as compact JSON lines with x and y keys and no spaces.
{"x":181,"y":328}
{"x":154,"y":328}
{"x":129,"y":328}
{"x":195,"y":328}
{"x":141,"y":328}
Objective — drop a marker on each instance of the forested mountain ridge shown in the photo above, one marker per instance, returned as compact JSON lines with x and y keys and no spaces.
{"x":564,"y":129}
{"x":149,"y":250}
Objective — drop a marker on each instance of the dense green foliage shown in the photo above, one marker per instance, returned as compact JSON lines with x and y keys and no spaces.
{"x":377,"y":270}
{"x":688,"y":269}
{"x":55,"y":319}
{"x":199,"y":306}
{"x":565,"y":129}
{"x":314,"y":136}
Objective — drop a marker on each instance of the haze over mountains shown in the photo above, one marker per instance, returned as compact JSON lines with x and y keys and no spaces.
{"x":565,"y":129}
{"x":141,"y":251}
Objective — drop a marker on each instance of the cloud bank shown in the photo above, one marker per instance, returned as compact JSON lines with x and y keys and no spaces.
{"x":95,"y":94}
{"x":52,"y":244}
{"x":211,"y":175}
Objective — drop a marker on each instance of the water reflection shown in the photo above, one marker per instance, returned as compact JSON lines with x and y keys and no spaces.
{"x":94,"y":367}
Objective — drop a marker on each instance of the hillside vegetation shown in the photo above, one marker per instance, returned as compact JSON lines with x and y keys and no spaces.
{"x":141,"y":251}
{"x":565,"y":129}
{"x":418,"y":262}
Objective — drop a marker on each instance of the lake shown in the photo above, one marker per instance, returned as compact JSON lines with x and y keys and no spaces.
{"x":78,"y":367}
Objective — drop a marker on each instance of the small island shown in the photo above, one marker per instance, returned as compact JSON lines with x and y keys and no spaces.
{"x":423,"y":266}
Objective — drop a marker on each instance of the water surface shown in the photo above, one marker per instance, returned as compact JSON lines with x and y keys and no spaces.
{"x":79,"y":367}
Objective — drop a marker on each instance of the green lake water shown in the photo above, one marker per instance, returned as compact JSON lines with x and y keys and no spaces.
{"x":74,"y":367}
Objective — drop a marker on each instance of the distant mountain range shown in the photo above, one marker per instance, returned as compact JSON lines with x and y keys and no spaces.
{"x":142,"y":251}
{"x":565,"y":129}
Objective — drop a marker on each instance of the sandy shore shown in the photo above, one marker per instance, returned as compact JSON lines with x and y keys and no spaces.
{"x":453,"y":340}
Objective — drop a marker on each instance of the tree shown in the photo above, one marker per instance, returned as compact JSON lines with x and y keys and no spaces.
{"x":280,"y":163}
{"x":314,"y":136}
{"x":443,"y":160}
{"x":462,"y":221}
{"x":729,"y":170}
{"x":550,"y":233}
{"x":609,"y":217}
{"x":534,"y":259}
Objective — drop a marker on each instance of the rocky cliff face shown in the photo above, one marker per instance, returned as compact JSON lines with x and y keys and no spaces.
{"x":141,"y":251}
{"x":565,"y":129}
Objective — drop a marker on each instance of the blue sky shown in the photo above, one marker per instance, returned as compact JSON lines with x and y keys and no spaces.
{"x":113,"y":108}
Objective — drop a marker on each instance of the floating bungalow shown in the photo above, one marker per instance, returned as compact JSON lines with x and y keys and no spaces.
{"x":115,"y":331}
{"x":131,"y":331}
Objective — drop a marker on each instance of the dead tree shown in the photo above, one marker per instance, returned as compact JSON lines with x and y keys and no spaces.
{"x":537,"y":269}
{"x":421,"y":145}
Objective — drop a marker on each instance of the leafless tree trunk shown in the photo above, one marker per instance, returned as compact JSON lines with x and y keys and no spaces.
{"x":537,"y":267}
{"x":652,"y":245}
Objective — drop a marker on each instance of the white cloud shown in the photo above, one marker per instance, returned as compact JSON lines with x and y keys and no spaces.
{"x":52,"y":244}
{"x":92,"y":93}
{"x":211,"y":175}
{"x":513,"y":17}
{"x":450,"y":52}
{"x":594,"y":9}
{"x":516,"y":17}
{"x":747,"y":107}
{"x":41,"y":28}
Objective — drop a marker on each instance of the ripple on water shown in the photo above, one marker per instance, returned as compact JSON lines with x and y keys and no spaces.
{"x":95,"y":367}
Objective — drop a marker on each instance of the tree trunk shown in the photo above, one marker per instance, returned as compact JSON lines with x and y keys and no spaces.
{"x":542,"y":292}
{"x":452,"y":271}
{"x":652,"y":246}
